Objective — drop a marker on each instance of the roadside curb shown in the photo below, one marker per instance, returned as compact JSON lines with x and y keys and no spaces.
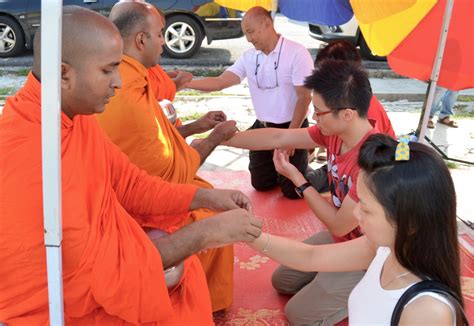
{"x":208,"y":70}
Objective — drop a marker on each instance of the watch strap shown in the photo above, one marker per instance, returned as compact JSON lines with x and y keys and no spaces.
{"x":299,"y":190}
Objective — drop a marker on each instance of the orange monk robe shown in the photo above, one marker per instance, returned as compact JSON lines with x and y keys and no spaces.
{"x":112,"y":272}
{"x":135,"y":122}
{"x":162,"y":86}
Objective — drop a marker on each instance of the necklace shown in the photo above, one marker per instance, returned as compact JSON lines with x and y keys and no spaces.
{"x":398,"y":276}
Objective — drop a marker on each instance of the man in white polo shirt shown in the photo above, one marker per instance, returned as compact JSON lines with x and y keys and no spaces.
{"x":276,"y":69}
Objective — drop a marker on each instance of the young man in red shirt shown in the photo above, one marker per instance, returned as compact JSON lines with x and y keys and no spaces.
{"x":341,"y":99}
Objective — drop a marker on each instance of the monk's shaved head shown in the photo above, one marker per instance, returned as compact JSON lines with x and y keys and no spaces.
{"x":92,"y":50}
{"x":84,"y":34}
{"x":130,"y":16}
{"x":141,"y":27}
{"x":161,"y":12}
{"x":257,"y":14}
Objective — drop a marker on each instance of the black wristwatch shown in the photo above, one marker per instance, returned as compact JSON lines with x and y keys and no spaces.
{"x":299,"y":190}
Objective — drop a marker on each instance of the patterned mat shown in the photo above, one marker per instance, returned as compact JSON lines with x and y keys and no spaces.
{"x":256,"y":303}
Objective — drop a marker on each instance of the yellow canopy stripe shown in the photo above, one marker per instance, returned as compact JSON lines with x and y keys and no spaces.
{"x":385,"y":24}
{"x":244,"y":5}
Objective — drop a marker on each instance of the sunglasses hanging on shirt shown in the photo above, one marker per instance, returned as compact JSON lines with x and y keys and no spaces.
{"x":276,"y":63}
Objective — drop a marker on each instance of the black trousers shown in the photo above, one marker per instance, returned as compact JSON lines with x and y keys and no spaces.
{"x":262,"y":170}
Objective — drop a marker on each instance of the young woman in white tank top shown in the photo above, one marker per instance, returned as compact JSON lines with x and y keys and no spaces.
{"x":407,"y":211}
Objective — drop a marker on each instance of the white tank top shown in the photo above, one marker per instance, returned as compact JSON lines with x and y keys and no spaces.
{"x":370,"y":304}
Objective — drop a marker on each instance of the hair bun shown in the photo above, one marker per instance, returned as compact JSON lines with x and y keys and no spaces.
{"x":377,"y":151}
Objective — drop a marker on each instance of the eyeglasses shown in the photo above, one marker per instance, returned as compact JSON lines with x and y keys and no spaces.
{"x":321,"y":113}
{"x":275,"y":67}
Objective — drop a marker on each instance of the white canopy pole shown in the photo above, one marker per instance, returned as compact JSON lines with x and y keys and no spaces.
{"x":421,"y":131}
{"x":51,"y":30}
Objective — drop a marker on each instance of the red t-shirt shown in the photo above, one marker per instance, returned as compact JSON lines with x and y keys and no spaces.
{"x":377,"y":113}
{"x":342,"y":168}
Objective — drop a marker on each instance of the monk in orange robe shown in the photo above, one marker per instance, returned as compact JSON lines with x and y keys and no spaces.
{"x":112,"y":272}
{"x":165,"y":85}
{"x":136,"y":123}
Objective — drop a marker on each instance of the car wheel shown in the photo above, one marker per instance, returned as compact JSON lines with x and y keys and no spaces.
{"x":183,"y":37}
{"x":12,"y":41}
{"x":366,"y":52}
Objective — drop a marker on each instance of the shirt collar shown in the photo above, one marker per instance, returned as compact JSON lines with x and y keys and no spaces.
{"x":276,"y":49}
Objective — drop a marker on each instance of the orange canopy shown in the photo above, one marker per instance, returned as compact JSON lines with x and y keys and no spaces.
{"x":415,"y":56}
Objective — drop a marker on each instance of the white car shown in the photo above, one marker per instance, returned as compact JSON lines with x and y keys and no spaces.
{"x":350,"y":32}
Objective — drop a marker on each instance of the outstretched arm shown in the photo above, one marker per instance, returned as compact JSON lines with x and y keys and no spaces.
{"x":300,"y":111}
{"x":180,"y":78}
{"x":203,"y":124}
{"x":221,"y":132}
{"x":209,"y":84}
{"x":217,"y":231}
{"x":354,"y":255}
{"x":271,"y":138}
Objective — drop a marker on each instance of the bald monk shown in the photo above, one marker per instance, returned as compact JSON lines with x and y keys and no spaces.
{"x":112,"y":272}
{"x":135,"y":122}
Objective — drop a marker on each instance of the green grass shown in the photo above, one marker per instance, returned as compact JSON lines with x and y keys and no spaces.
{"x":202,"y":136}
{"x":7,"y":91}
{"x":191,"y":116}
{"x":198,"y":93}
{"x":465,"y":98}
{"x":452,"y":165}
{"x":22,"y":72}
{"x":208,"y":72}
{"x":461,"y":111}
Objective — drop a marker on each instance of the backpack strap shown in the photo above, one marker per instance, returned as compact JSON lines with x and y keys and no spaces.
{"x":427,"y":286}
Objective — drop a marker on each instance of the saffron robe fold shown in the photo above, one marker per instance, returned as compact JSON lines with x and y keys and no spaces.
{"x":112,"y":272}
{"x":136,"y":123}
{"x":161,"y":84}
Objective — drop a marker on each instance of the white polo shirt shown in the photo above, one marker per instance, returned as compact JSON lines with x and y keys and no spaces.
{"x":274,"y":103}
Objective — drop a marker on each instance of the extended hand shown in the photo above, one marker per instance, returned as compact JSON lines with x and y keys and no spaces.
{"x":232,"y":226}
{"x":224,"y":200}
{"x":224,"y":131}
{"x":281,"y":159}
{"x":210,"y":120}
{"x":181,"y":78}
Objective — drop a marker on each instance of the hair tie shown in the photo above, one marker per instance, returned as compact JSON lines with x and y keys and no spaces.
{"x":402,"y":153}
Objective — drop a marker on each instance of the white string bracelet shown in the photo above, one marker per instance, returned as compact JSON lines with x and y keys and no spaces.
{"x":265,"y":248}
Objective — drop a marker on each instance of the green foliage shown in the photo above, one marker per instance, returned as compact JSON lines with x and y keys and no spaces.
{"x":463,"y":111}
{"x":452,"y":165}
{"x":191,"y":116}
{"x":202,"y":136}
{"x":6,"y":91}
